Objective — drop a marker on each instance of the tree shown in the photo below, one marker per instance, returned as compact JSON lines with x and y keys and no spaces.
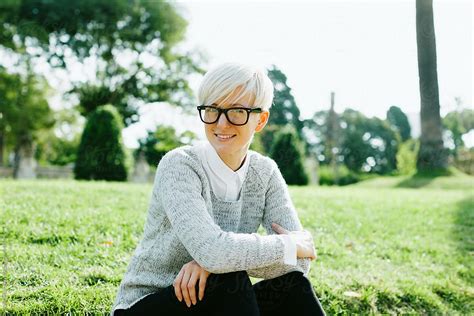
{"x":316,"y":131}
{"x":287,"y":151}
{"x":157,"y":143}
{"x":101,"y":154}
{"x":367,"y":144}
{"x":284,"y":110}
{"x":24,"y":112}
{"x":399,"y":122}
{"x":129,"y":42}
{"x":458,"y":123}
{"x":59,"y":145}
{"x":432,"y":155}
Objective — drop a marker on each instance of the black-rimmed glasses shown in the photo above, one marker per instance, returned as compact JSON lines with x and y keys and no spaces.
{"x":236,"y":115}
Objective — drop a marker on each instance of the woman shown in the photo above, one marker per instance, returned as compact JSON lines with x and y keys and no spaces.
{"x":200,"y":244}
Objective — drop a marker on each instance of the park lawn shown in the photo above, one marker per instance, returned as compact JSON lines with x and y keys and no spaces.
{"x":385,"y":250}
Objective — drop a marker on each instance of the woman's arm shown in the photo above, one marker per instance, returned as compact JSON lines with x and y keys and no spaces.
{"x":178,"y":189}
{"x":279,"y":209}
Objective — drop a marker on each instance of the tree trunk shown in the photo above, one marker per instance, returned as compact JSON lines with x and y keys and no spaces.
{"x":432,"y":154}
{"x":141,"y":171}
{"x":24,"y":166}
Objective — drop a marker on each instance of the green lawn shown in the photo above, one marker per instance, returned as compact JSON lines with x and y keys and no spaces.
{"x":381,"y":248}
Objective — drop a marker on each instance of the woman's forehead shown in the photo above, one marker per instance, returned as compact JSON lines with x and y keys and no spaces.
{"x":237,"y":97}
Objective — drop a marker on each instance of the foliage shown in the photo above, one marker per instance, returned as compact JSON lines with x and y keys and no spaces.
{"x":257,"y":143}
{"x":157,"y":143}
{"x":56,"y":150}
{"x":406,"y":157}
{"x":360,"y":143}
{"x":58,"y":145}
{"x":101,"y":154}
{"x":368,"y":144}
{"x":264,"y":140}
{"x":131,"y":43}
{"x":24,"y":111}
{"x":284,"y":109}
{"x":399,"y":122}
{"x":465,"y":160}
{"x":458,"y":123}
{"x":288,"y":153}
{"x":341,"y":176}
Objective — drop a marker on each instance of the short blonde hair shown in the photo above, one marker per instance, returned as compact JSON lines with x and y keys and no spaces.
{"x":222,"y":80}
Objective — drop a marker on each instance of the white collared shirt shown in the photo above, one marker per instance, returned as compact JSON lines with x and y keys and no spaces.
{"x":227,"y":184}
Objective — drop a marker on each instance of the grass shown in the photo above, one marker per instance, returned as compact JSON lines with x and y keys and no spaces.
{"x":381,"y":249}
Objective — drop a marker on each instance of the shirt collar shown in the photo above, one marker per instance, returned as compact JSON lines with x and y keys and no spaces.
{"x":219,"y":167}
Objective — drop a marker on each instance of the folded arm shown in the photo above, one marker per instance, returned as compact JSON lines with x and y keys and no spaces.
{"x":280,"y":209}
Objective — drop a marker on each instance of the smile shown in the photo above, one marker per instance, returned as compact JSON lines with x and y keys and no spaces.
{"x":224,"y":137}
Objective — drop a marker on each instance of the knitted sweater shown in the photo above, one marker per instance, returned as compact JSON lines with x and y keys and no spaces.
{"x":187,"y":221}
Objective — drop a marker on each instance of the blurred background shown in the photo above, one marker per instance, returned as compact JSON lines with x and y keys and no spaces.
{"x":346,"y":81}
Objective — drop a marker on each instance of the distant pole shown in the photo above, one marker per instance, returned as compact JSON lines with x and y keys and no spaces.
{"x":331,"y":140}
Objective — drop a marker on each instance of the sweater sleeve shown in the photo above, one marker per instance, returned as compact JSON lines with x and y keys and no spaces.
{"x":279,"y":209}
{"x":178,"y":188}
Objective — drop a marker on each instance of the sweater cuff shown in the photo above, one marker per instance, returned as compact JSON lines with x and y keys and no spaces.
{"x":290,"y":249}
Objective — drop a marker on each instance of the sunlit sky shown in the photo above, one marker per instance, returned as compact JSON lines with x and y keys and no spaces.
{"x":364,"y":51}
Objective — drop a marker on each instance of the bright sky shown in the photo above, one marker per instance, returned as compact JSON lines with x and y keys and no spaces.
{"x":365,"y":51}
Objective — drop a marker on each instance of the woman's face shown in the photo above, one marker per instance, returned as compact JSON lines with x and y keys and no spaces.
{"x":238,"y":144}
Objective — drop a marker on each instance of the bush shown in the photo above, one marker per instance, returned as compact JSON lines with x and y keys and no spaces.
{"x":287,"y":151}
{"x":406,"y":157}
{"x":54,"y":150}
{"x":101,"y":154}
{"x":327,"y":176}
{"x":157,"y":143}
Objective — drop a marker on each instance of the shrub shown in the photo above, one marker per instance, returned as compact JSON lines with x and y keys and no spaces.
{"x":327,"y":175}
{"x":406,"y":157}
{"x":101,"y":154}
{"x":287,"y":151}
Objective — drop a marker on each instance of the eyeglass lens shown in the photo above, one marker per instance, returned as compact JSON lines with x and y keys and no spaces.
{"x":236,"y":116}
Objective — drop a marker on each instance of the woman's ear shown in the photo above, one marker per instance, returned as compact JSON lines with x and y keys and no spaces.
{"x":262,"y":120}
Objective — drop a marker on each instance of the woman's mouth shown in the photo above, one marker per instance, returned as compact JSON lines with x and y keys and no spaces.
{"x":224,"y":137}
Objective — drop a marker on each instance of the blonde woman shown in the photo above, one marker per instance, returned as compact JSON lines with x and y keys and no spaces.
{"x":200,"y":245}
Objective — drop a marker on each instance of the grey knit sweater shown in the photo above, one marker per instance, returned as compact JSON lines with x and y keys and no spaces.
{"x":187,"y":221}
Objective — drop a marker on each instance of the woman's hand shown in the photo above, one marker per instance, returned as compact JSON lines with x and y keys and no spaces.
{"x":303,"y":239}
{"x":185,"y":282}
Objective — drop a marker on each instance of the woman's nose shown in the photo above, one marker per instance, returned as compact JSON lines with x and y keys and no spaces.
{"x":223,"y":120}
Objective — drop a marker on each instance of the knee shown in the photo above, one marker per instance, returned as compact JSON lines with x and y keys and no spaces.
{"x":232,"y":281}
{"x":294,"y":279}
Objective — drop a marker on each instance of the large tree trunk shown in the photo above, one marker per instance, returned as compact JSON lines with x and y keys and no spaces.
{"x":432,"y":155}
{"x":25,"y":164}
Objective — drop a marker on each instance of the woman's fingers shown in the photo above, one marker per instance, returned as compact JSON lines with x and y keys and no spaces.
{"x":202,"y":285}
{"x":177,"y":285}
{"x":280,"y":230}
{"x":184,"y":287}
{"x":192,"y":286}
{"x":185,"y":283}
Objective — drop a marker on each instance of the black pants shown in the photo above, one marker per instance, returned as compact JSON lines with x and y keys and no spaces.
{"x":233,"y":294}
